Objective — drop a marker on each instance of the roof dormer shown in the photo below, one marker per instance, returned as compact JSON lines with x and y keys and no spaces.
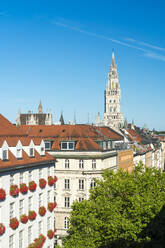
{"x":42,"y":148}
{"x":31,"y":149}
{"x":19,"y":150}
{"x":4,"y":151}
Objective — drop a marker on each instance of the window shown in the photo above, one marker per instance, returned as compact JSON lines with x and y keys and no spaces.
{"x":11,"y":241}
{"x":30,"y":176}
{"x":40,"y":200}
{"x":40,"y":173}
{"x":47,"y":145}
{"x":67,"y":145}
{"x":30,"y":203}
{"x":81,"y":164}
{"x":48,"y":196}
{"x":21,"y":239}
{"x":67,"y":184}
{"x":42,"y":151}
{"x":4,"y":155}
{"x":11,"y":179}
{"x":11,"y":210}
{"x":19,"y":153}
{"x":29,"y":234}
{"x":66,"y":163}
{"x":31,"y":152}
{"x":80,"y":199}
{"x":49,"y":169}
{"x":48,"y":223}
{"x":21,"y":207}
{"x":67,"y":202}
{"x":93,"y":163}
{"x":66,"y":222}
{"x":21,"y":177}
{"x":39,"y":227}
{"x":93,"y":184}
{"x":81,"y":184}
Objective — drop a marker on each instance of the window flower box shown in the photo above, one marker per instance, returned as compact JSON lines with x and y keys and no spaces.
{"x":24,"y":218}
{"x":32,"y":215}
{"x":51,"y":181}
{"x":50,"y":234}
{"x":2,"y":194}
{"x":55,"y":179}
{"x":42,"y":183}
{"x":51,"y":206}
{"x":42,"y":211}
{"x":14,"y":223}
{"x":39,"y":242}
{"x":14,"y":190}
{"x":23,"y":188}
{"x":32,"y":186}
{"x":2,"y":229}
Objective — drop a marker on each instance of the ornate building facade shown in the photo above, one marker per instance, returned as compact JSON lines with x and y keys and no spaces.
{"x":112,"y":114}
{"x":39,"y":118}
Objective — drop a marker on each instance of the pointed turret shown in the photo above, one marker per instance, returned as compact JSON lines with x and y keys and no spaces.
{"x":62,"y":119}
{"x":40,"y":111}
{"x":113,"y":58}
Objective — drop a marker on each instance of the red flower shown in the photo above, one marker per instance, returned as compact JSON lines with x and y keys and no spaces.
{"x":14,"y":190}
{"x":32,"y":215}
{"x":23,"y":188}
{"x":32,"y":186}
{"x":51,"y":181}
{"x":14,"y":223}
{"x":2,"y":194}
{"x":42,"y":183}
{"x":39,"y":242}
{"x":24,"y":218}
{"x":2,"y":229}
{"x":55,"y":179}
{"x":42,"y":211}
{"x":51,"y":206}
{"x":50,"y":234}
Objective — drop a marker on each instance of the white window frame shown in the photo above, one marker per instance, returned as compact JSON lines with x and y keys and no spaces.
{"x":40,"y":200}
{"x":67,"y":184}
{"x":40,"y":173}
{"x":67,"y":143}
{"x":11,"y":179}
{"x":30,"y":203}
{"x":21,"y":206}
{"x":19,"y":153}
{"x":66,"y":222}
{"x":21,"y":177}
{"x":81,"y":184}
{"x":48,"y":223}
{"x":49,"y":145}
{"x":67,"y":202}
{"x":93,"y":163}
{"x":40,"y":227}
{"x":30,"y":176}
{"x":81,"y":164}
{"x":29,"y":234}
{"x":21,"y":239}
{"x":92,"y":184}
{"x":31,"y":152}
{"x":12,"y":209}
{"x":4,"y":154}
{"x":11,"y":241}
{"x":67,"y":163}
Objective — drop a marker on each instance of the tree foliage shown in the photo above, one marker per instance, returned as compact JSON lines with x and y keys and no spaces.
{"x":120,"y":211}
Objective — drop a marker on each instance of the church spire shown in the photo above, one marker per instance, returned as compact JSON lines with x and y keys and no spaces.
{"x":113,"y":58}
{"x":40,"y":111}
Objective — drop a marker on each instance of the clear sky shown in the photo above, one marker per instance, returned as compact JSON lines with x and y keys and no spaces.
{"x":59,"y":51}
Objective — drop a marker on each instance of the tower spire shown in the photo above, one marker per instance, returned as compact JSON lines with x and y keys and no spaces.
{"x":40,"y":108}
{"x":113,"y":58}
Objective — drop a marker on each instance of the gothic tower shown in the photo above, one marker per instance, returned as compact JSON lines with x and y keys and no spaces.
{"x":112,"y":115}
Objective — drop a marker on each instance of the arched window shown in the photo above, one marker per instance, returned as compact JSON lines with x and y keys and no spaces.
{"x":66,"y":222}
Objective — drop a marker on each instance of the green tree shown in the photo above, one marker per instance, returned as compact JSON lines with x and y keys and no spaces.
{"x":121,"y":208}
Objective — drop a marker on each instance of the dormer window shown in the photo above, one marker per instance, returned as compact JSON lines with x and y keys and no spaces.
{"x":31,"y":152}
{"x":42,"y":150}
{"x":19,"y":153}
{"x":47,"y":145}
{"x":5,"y":154}
{"x":67,"y":145}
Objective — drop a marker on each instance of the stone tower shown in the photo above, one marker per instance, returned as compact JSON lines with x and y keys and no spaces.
{"x":112,"y":115}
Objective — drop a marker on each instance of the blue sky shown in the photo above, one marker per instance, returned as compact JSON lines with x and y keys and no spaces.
{"x":59,"y":51}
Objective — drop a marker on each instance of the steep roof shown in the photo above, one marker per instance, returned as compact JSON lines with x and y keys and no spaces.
{"x":8,"y":129}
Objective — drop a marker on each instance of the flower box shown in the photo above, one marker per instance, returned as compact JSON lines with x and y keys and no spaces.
{"x":55,"y":179}
{"x":42,"y":211}
{"x":51,"y":206}
{"x":51,"y":181}
{"x":32,"y":215}
{"x":14,"y":223}
{"x":14,"y":190}
{"x":32,"y":186}
{"x":2,"y":229}
{"x":2,"y":194}
{"x":50,"y":234}
{"x":23,"y":188}
{"x":42,"y":183}
{"x":39,"y":242}
{"x":24,"y":218}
